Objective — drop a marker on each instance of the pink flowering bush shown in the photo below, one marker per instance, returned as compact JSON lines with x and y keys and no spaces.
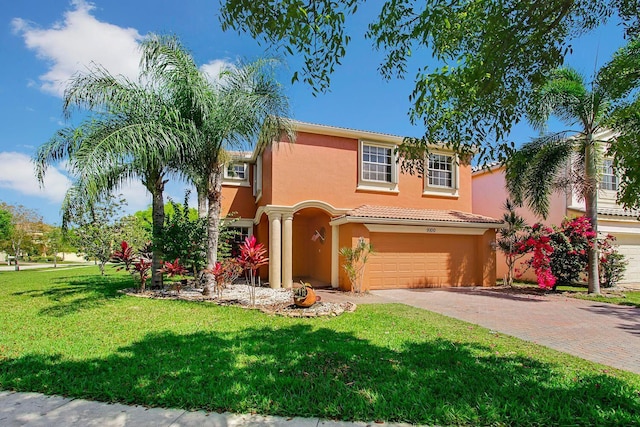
{"x":559,"y":255}
{"x":539,"y":243}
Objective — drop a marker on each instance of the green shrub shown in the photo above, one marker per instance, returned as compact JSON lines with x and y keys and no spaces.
{"x":612,"y":263}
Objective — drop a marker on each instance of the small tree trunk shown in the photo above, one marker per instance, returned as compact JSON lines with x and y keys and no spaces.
{"x":214,"y":198}
{"x":157,"y":209}
{"x":591,"y":203}
{"x":16,"y":250}
{"x":202,"y":203}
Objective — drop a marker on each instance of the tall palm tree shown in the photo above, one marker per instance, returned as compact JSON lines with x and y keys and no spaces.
{"x":539,"y":167}
{"x":243,"y":106}
{"x":135,"y":132}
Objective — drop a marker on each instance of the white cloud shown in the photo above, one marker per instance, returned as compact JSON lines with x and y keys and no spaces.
{"x":137,"y":196}
{"x":72,"y":45}
{"x":213,"y":68}
{"x":17,"y":173}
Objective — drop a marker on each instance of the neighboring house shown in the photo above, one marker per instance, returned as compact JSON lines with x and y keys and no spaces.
{"x":489,"y":195}
{"x":308,"y":199}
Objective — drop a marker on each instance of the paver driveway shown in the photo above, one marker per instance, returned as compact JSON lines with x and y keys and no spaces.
{"x":604,"y":333}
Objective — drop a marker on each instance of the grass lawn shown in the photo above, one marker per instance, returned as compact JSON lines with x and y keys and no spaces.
{"x":631,"y":298}
{"x":68,"y":332}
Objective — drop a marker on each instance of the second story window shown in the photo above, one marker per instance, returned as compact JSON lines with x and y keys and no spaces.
{"x":440,"y":171}
{"x":376,"y":163}
{"x":236,"y":171}
{"x":441,"y":175}
{"x":377,"y":169}
{"x":609,"y":179}
{"x":236,"y":174}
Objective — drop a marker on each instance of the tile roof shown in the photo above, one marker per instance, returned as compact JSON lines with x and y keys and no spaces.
{"x":299,"y":122}
{"x":389,"y":212}
{"x":619,"y":212}
{"x":614,"y":211}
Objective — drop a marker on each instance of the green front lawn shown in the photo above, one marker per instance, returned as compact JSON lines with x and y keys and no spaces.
{"x":69,"y":332}
{"x":631,"y":298}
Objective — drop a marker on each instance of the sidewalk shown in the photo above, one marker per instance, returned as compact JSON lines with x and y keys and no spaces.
{"x":5,"y":267}
{"x":38,"y":410}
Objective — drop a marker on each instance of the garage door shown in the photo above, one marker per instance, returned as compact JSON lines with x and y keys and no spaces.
{"x":630,"y":248}
{"x":422,"y":260}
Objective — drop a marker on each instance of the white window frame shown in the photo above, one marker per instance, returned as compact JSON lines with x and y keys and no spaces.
{"x":607,"y":165}
{"x":440,"y":190}
{"x":241,"y":223}
{"x":230,"y":179}
{"x":257,"y":178}
{"x":372,"y":184}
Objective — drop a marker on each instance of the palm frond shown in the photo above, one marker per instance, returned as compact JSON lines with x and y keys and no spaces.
{"x":620,"y":76}
{"x":534,"y":170}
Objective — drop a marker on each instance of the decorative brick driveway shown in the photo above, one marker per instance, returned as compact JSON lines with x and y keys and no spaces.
{"x":604,"y":333}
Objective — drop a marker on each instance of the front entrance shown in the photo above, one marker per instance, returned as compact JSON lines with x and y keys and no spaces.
{"x":312,"y":247}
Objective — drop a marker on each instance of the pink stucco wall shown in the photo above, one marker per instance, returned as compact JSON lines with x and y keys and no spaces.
{"x":488,"y":196}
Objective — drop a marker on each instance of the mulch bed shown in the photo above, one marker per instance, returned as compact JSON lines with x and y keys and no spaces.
{"x":268,"y":300}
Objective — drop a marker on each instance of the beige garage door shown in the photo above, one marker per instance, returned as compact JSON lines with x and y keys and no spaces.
{"x":630,"y":248}
{"x":422,"y":260}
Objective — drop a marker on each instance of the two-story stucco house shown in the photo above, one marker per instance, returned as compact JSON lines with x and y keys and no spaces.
{"x":333,"y":186}
{"x":489,"y":194}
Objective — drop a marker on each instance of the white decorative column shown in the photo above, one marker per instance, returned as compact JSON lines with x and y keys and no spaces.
{"x":335,"y":255}
{"x":275,"y":254}
{"x":287,"y":250}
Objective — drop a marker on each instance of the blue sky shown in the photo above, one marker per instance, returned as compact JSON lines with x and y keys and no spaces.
{"x":45,"y":42}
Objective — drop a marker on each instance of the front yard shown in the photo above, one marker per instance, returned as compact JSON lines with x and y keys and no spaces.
{"x":69,"y":332}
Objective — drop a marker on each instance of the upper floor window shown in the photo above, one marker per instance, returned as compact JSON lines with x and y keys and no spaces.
{"x":236,"y":171}
{"x":609,"y":179}
{"x":236,"y":174}
{"x":376,"y":163}
{"x":440,"y":170}
{"x":441,"y":175}
{"x":378,"y":169}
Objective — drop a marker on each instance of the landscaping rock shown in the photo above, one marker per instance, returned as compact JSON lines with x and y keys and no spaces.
{"x":268,"y":300}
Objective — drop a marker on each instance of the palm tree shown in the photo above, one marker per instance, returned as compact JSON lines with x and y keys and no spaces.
{"x":134,"y":132}
{"x":536,"y":169}
{"x":243,"y":106}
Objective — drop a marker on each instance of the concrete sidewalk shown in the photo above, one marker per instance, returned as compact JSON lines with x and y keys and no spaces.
{"x":38,"y":410}
{"x":5,"y":267}
{"x":600,"y":332}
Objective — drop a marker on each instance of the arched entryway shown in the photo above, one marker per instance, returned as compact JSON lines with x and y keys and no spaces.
{"x":311,"y":261}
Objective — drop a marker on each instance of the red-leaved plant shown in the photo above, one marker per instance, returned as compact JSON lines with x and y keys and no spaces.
{"x":123,"y":258}
{"x":173,"y":269}
{"x":135,"y":264}
{"x":142,"y":268}
{"x":225,"y":272}
{"x":253,"y":255}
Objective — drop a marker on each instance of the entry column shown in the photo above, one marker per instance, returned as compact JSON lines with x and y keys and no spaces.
{"x":287,"y":250}
{"x":275,"y":254}
{"x":335,"y":255}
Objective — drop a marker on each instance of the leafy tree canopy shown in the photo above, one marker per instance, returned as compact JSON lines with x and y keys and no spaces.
{"x":487,"y":55}
{"x":5,"y":224}
{"x":145,"y":216}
